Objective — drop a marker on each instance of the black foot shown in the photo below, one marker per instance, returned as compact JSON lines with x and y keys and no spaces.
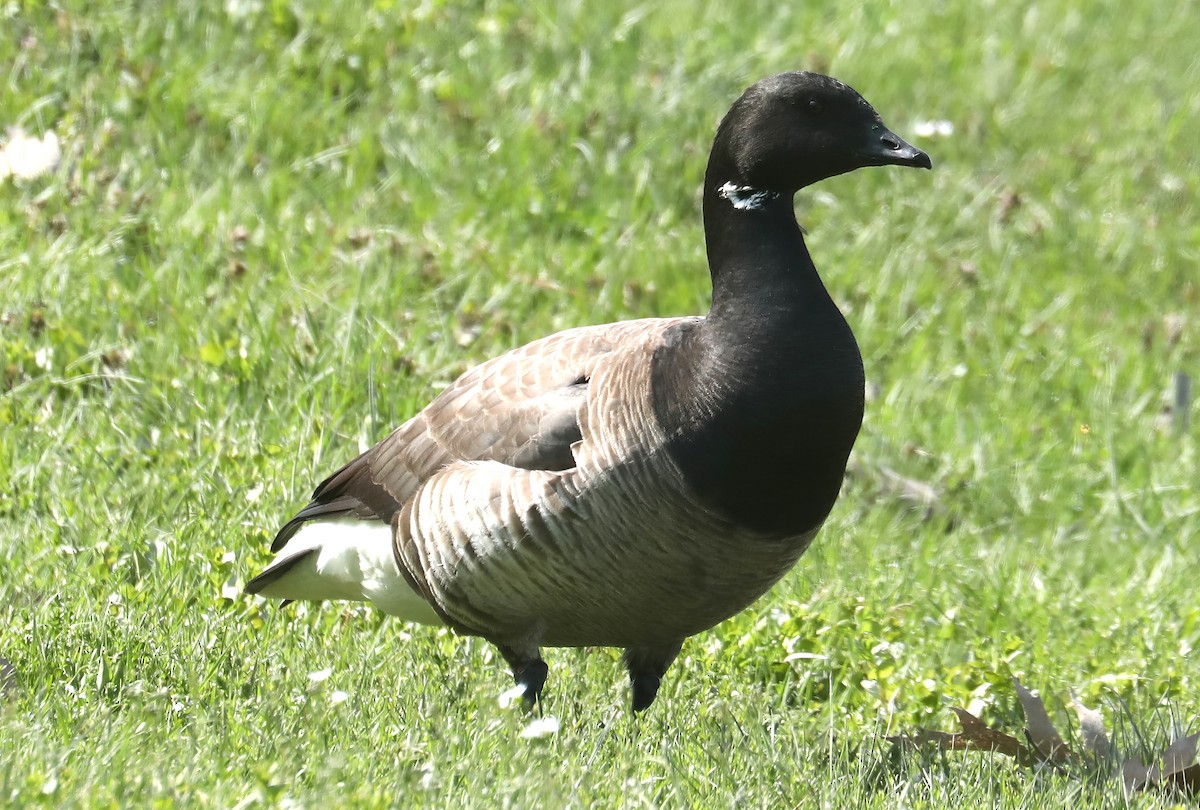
{"x":646,"y":666}
{"x":645,"y":689}
{"x":529,"y":671}
{"x":532,"y":675}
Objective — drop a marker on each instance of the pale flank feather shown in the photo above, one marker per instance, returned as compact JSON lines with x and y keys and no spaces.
{"x":345,"y":558}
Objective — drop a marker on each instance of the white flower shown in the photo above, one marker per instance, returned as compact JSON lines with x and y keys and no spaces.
{"x":338,"y":696}
{"x":938,"y":128}
{"x":43,"y":358}
{"x":26,"y":158}
{"x":510,"y":696}
{"x":320,"y":675}
{"x":1172,"y":183}
{"x":241,"y":9}
{"x":541,"y":727}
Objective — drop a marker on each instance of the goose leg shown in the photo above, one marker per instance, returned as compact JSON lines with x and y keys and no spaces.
{"x":646,"y":666}
{"x":528,"y":669}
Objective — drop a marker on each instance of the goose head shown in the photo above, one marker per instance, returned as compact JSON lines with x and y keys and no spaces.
{"x":795,"y":129}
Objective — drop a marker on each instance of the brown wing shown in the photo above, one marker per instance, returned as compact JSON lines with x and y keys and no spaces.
{"x":520,"y":409}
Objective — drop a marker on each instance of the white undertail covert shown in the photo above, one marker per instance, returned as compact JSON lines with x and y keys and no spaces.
{"x":348,"y":559}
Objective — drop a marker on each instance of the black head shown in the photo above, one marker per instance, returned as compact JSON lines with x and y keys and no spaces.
{"x":791,"y":130}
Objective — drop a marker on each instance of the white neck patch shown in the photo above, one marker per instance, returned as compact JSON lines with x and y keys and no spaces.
{"x":746,"y":198}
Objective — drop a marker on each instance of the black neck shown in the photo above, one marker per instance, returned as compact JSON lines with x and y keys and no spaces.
{"x":761,"y":400}
{"x":765,"y":285}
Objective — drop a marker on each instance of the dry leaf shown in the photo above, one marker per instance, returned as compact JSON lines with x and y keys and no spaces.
{"x":944,"y":740}
{"x":915,"y":492}
{"x":1042,"y":734}
{"x":8,"y":677}
{"x":1187,"y":780}
{"x":975,"y":735}
{"x":984,"y":737}
{"x":1177,"y":769}
{"x":1178,"y":757}
{"x":892,"y":484}
{"x":1134,"y":773}
{"x":1091,"y":725}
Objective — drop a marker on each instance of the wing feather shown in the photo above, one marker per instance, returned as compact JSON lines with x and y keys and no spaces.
{"x":520,"y":409}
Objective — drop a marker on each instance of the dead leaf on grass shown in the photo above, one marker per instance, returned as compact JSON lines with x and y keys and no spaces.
{"x":1091,"y":726}
{"x":1175,"y":771}
{"x":975,"y":735}
{"x":1043,"y":736}
{"x":1178,"y":768}
{"x":8,"y":677}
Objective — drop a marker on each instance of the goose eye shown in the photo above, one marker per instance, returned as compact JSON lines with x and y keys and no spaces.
{"x":814,"y":105}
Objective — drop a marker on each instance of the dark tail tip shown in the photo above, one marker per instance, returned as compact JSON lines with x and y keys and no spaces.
{"x":273,"y":573}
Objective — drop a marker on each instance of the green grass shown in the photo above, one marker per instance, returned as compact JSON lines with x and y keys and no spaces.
{"x":274,"y":235}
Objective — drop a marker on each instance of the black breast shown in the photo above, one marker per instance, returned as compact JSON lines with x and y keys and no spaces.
{"x":762,"y":430}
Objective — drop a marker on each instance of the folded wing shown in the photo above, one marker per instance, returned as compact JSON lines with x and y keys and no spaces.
{"x":520,"y":409}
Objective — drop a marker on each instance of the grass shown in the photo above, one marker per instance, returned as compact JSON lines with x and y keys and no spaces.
{"x":279,"y":227}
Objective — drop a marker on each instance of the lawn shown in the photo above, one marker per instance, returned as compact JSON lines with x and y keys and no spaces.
{"x":278,"y":228}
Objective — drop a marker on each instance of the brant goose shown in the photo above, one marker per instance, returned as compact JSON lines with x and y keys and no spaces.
{"x":631,"y":484}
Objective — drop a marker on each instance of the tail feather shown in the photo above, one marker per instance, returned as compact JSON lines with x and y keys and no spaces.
{"x":344,"y":507}
{"x":345,"y":558}
{"x":275,"y":570}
